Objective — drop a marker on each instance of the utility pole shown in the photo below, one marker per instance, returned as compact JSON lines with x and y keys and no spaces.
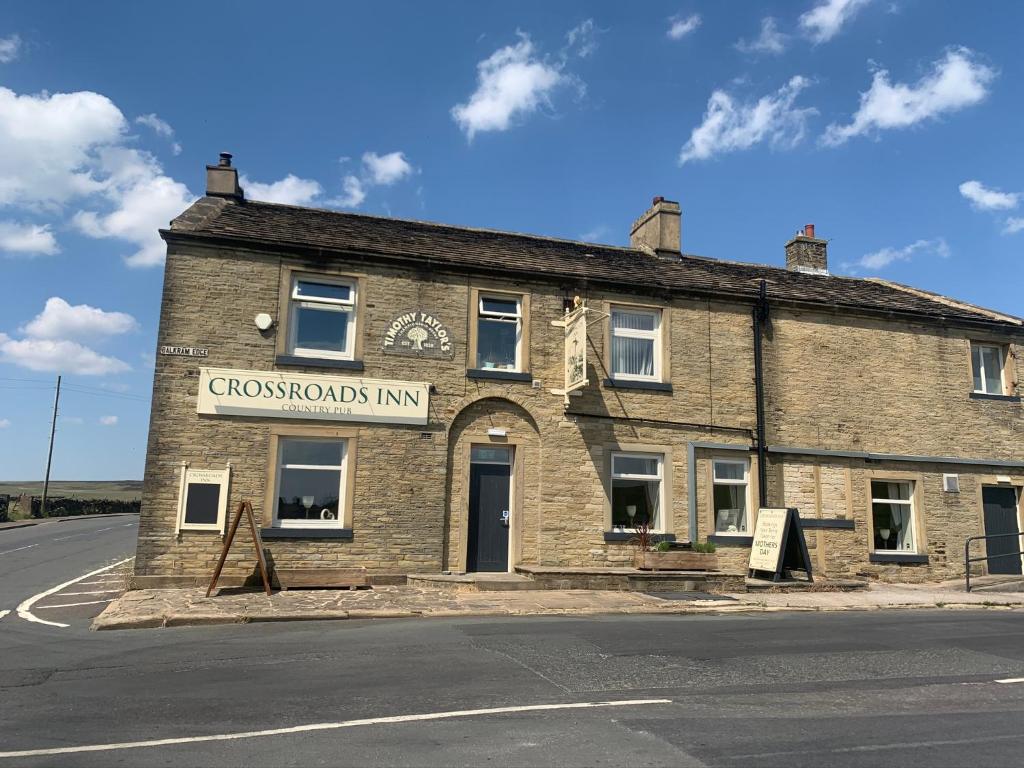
{"x":49,"y":455}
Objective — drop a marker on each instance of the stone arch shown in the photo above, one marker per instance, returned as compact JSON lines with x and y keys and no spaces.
{"x":469,"y":426}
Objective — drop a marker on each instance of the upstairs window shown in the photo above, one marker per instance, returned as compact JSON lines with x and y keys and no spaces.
{"x":323,"y":319}
{"x":892,"y":515}
{"x":637,"y":489}
{"x":636,"y":347}
{"x":987,"y":362}
{"x":499,"y":333}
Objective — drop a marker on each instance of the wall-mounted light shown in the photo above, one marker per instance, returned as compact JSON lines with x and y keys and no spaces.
{"x":496,"y":432}
{"x":263,"y":321}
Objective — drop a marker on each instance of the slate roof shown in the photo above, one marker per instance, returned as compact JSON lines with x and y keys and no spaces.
{"x":285,"y":227}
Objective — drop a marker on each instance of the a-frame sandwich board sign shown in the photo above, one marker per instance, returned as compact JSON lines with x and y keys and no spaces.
{"x":778,"y":546}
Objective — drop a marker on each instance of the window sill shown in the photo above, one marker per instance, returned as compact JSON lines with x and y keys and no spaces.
{"x":653,"y":386}
{"x":812,"y":523}
{"x":631,"y":536}
{"x":897,"y":557}
{"x":494,"y":373}
{"x":986,"y":396}
{"x":319,"y":362}
{"x":731,"y":539}
{"x":345,"y":534}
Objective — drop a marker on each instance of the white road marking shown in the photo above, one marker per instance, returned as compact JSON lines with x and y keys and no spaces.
{"x":3,"y":613}
{"x":27,"y":546}
{"x":72,"y":605}
{"x":1011,"y":680}
{"x":94,"y":592}
{"x":330,"y":726}
{"x":25,"y":609}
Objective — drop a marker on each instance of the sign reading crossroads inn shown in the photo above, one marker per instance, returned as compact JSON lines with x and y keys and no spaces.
{"x":229,"y":392}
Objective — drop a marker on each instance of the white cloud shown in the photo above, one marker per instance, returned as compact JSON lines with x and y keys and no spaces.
{"x":886,"y":256}
{"x":108,"y":421}
{"x":1014,"y":224}
{"x":824,"y":20}
{"x":769,"y":41}
{"x":512,"y":83}
{"x":161,"y":128}
{"x":58,"y":355}
{"x":10,"y":47}
{"x":31,"y":239}
{"x":5,"y":423}
{"x":729,"y":126}
{"x":955,"y":81}
{"x":680,"y":26}
{"x":352,"y":193}
{"x":291,"y":190}
{"x":986,"y":199}
{"x":60,"y":320}
{"x":582,"y":38}
{"x":384,"y":170}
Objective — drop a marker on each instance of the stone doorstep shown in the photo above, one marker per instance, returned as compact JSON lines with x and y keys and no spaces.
{"x":795,"y":585}
{"x":474,"y":582}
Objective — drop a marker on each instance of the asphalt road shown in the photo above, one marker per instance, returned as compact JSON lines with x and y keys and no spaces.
{"x":915,"y":688}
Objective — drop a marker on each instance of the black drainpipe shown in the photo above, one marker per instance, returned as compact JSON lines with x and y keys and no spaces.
{"x":760,"y":316}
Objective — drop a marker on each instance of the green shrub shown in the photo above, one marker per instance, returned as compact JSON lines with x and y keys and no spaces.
{"x":663,"y":546}
{"x":706,"y":547}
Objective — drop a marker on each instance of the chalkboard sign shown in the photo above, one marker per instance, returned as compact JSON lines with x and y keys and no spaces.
{"x":778,"y":546}
{"x":203,"y":499}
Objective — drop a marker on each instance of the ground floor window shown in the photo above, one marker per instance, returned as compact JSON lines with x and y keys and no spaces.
{"x":892,"y":515}
{"x":637,"y":489}
{"x":730,"y":481}
{"x":310,"y":482}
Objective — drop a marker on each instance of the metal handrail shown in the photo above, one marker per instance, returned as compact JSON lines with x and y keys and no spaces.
{"x":968,"y":559}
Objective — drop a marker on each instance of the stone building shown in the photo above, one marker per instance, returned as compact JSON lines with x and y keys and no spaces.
{"x":389,"y":394}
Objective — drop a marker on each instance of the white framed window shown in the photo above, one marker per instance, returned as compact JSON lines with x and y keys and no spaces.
{"x":499,"y":332}
{"x":638,"y":490}
{"x":636,"y":344}
{"x":731,"y":495}
{"x":892,"y":516}
{"x":310,"y":482}
{"x":322,"y":317}
{"x":987,"y":364}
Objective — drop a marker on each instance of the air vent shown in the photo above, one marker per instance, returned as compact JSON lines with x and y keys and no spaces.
{"x":951,"y":483}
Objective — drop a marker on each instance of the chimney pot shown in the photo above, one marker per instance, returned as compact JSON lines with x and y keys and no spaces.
{"x":657,"y":230}
{"x":807,"y":253}
{"x":222,"y":179}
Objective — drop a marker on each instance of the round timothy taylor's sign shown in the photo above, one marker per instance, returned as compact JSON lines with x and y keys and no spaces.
{"x":418,"y":334}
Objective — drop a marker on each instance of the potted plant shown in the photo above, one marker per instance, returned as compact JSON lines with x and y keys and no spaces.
{"x":663,"y":556}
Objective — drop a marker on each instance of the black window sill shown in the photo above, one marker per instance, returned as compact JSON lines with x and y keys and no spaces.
{"x":652,"y":386}
{"x":345,"y":534}
{"x":319,"y":362}
{"x":731,"y":540}
{"x":494,"y":373}
{"x":825,"y":522}
{"x":897,"y":557}
{"x":986,"y":396}
{"x":632,"y":536}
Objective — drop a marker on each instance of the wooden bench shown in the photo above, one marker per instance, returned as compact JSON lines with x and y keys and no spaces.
{"x":322,"y":578}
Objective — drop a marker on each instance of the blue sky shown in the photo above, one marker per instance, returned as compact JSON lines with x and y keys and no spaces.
{"x":893,"y":126}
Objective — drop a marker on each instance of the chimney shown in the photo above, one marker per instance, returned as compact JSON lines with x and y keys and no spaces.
{"x":222,"y":179}
{"x":807,"y":253}
{"x":657,"y":231}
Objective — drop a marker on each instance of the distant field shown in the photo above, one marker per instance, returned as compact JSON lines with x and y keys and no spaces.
{"x":121,"y":490}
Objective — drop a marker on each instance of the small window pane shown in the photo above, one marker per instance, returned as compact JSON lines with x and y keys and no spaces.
{"x":885,"y":490}
{"x":496,"y":344}
{"x":317,"y":452}
{"x":979,"y":384}
{"x":729,"y":470}
{"x":635,"y":502}
{"x":993,"y":373}
{"x":632,"y":357}
{"x":321,"y":329}
{"x":500,"y":306}
{"x":308,"y":494}
{"x":893,"y":528}
{"x":730,"y":508}
{"x":634,"y":465}
{"x":305,"y":288}
{"x":490,"y":454}
{"x":638,"y":321}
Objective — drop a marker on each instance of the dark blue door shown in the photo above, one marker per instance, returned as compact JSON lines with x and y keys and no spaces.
{"x":1000,"y":505}
{"x":488,"y":517}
